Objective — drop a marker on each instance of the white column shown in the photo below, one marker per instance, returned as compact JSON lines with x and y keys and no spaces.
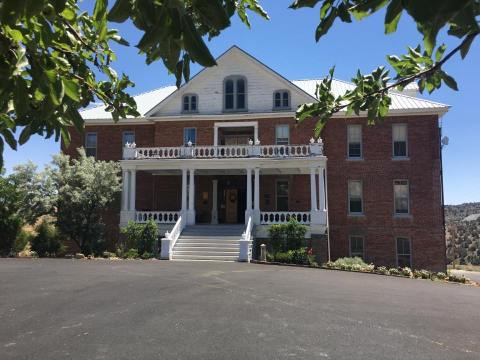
{"x":184,"y":191}
{"x":256,"y":196}
{"x":124,"y":190}
{"x":255,"y":133}
{"x":215,"y":135}
{"x":214,"y":202}
{"x":191,"y":199}
{"x":133,"y":189}
{"x":313,"y":190}
{"x":321,"y":189}
{"x":248,"y":211}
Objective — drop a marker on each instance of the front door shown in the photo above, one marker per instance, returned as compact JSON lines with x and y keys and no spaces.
{"x":231,"y":206}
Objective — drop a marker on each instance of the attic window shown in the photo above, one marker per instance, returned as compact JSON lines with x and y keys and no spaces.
{"x":190,"y":102}
{"x":281,"y":100}
{"x":235,"y":93}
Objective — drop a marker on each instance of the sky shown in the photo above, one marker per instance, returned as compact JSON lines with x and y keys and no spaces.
{"x":286,"y":43}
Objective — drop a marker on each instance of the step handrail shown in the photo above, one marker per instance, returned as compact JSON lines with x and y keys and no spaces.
{"x":168,"y":242}
{"x":246,"y":242}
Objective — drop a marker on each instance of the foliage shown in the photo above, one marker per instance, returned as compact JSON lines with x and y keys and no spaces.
{"x":458,"y":279}
{"x":108,"y":255}
{"x":406,"y":271}
{"x":131,"y":254}
{"x":36,"y":190}
{"x":289,"y":236}
{"x":54,"y":55}
{"x":46,"y":242}
{"x":147,"y":255}
{"x":10,"y":221}
{"x":86,"y":188}
{"x":301,"y":256}
{"x":382,"y":270}
{"x":394,"y":271}
{"x":371,"y":91}
{"x":422,"y":274}
{"x":141,"y":236}
{"x":23,"y":238}
{"x":441,"y":276}
{"x":348,"y":263}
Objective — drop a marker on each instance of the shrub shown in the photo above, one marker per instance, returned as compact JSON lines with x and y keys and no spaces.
{"x":283,"y":257}
{"x":23,"y":238}
{"x":289,"y":236}
{"x":270,"y":257}
{"x":300,"y":256}
{"x":141,"y":236}
{"x":421,"y":274}
{"x":348,"y":263}
{"x":46,"y":241}
{"x":382,"y":270}
{"x":458,"y":279}
{"x":394,"y":271}
{"x":441,"y":276}
{"x":406,"y":271}
{"x":131,"y":254}
{"x":108,"y":255}
{"x":147,"y":255}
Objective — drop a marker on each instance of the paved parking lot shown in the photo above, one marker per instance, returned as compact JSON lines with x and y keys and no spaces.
{"x":86,"y":309}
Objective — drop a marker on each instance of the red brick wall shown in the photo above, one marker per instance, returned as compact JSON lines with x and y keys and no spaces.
{"x":377,"y":171}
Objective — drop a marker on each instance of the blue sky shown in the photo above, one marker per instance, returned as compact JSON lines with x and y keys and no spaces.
{"x":286,"y":43}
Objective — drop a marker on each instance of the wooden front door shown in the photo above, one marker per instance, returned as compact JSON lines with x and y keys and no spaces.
{"x":231,"y":200}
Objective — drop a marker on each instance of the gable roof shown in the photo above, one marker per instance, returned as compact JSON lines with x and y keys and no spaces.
{"x":149,"y":102}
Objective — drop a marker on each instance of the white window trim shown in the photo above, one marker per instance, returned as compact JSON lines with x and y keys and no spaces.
{"x":361,"y":142}
{"x":396,"y":249}
{"x":396,"y":157}
{"x":407,"y":214}
{"x":350,"y":244}
{"x":189,"y":95}
{"x":282,"y":125}
{"x":184,"y":130}
{"x":235,"y":94}
{"x":217,"y":125}
{"x":126,"y":132}
{"x":276,"y":190}
{"x":362,"y":213}
{"x":279,"y":108}
{"x":96,"y":142}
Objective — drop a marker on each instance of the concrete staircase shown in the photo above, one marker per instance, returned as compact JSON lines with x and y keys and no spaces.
{"x":209,"y":242}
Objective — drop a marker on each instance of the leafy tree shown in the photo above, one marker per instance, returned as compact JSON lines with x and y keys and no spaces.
{"x":10,"y":221}
{"x":53,"y":56}
{"x":86,"y":188}
{"x":141,"y":236}
{"x":36,"y":189}
{"x":424,"y":66}
{"x":46,"y":241}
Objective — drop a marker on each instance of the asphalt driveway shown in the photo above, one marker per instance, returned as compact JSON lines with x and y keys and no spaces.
{"x":86,"y":309}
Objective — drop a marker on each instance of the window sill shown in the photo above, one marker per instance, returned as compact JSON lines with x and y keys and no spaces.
{"x":362,"y":215}
{"x":229,"y":111}
{"x":189,"y":112}
{"x":400,"y":158}
{"x":402,"y":216}
{"x":282,"y":109}
{"x":355,"y":159}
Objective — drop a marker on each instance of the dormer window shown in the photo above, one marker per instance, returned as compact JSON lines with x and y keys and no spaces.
{"x":281,"y":100}
{"x":235,"y":93}
{"x":190,"y":102}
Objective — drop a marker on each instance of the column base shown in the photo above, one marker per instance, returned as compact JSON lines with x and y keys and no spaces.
{"x":126,"y":216}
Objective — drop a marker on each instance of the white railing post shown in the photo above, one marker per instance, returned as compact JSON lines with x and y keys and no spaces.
{"x":184,"y":191}
{"x":256,"y":196}
{"x":248,"y":211}
{"x":133,"y":189}
{"x":129,"y":151}
{"x":191,"y":199}
{"x":245,"y":246}
{"x":316,"y":148}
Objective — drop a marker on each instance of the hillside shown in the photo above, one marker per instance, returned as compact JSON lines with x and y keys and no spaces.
{"x":463,"y":232}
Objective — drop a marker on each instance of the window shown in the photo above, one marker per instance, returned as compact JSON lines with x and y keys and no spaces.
{"x":402,"y":194}
{"x":356,"y":246}
{"x":190,"y":103}
{"x":128,"y":137}
{"x":399,"y":140}
{"x":282,"y":195}
{"x":235,"y":92}
{"x":281,"y":100}
{"x":91,"y":144}
{"x":355,"y":197}
{"x":189,"y":135}
{"x":354,"y":136}
{"x":404,"y":252}
{"x":282,"y":134}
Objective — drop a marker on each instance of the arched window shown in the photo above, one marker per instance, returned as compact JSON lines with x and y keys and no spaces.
{"x":190,"y":103}
{"x":281,"y":100}
{"x":235,"y":93}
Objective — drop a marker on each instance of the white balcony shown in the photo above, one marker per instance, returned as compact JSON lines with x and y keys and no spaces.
{"x":131,"y":152}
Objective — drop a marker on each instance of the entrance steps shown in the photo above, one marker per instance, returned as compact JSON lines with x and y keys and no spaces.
{"x":209,"y":242}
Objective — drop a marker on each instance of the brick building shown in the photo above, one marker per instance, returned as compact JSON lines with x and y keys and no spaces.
{"x":225,"y":150}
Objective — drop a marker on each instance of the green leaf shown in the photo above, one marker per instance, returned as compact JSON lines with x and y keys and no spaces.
{"x":392,"y":17}
{"x":120,"y":11}
{"x":69,"y":14}
{"x":24,"y":135}
{"x":195,"y":45}
{"x":325,"y":24}
{"x":439,"y":53}
{"x":304,"y":3}
{"x":20,"y":100}
{"x":72,"y":89}
{"x":9,"y":139}
{"x":449,"y":81}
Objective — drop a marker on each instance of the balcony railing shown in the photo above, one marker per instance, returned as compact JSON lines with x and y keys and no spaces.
{"x":281,"y":217}
{"x":130,"y":151}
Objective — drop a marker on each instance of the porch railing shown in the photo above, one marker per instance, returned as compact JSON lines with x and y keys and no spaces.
{"x":280,"y":217}
{"x":224,"y":151}
{"x":160,"y":217}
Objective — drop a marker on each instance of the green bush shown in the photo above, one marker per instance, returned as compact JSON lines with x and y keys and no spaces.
{"x":348,"y":263}
{"x":131,"y":254}
{"x":283,"y":257}
{"x":147,"y":255}
{"x":458,"y":279}
{"x":382,"y":270}
{"x":422,"y":274}
{"x":141,"y":237}
{"x":300,"y":256}
{"x":23,"y":238}
{"x":108,"y":255}
{"x":441,"y":276}
{"x":270,"y":257}
{"x":394,"y":271}
{"x":406,"y":271}
{"x":46,"y":242}
{"x":289,"y":236}
{"x":9,"y":229}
